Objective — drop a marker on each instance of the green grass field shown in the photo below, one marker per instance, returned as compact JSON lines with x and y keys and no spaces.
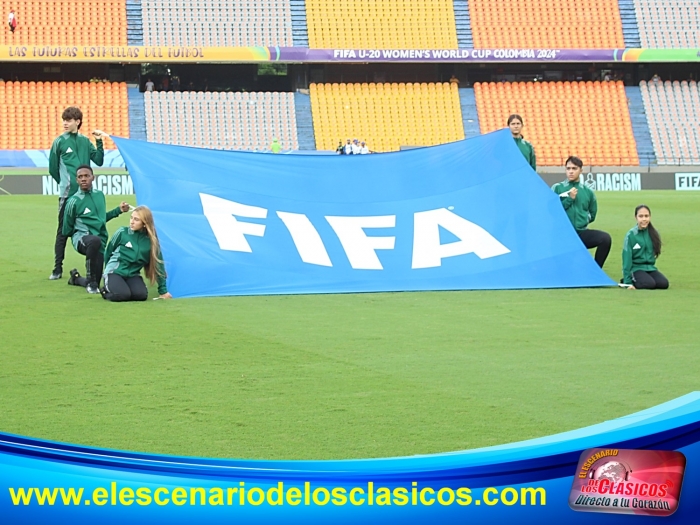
{"x":340,"y":376}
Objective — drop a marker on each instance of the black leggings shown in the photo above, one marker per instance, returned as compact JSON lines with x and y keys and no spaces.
{"x":649,"y":280}
{"x":118,"y":288}
{"x":599,"y":240}
{"x":91,"y":247}
{"x":59,"y":247}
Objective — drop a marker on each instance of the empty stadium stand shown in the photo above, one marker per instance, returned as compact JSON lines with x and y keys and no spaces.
{"x":381,"y":24}
{"x":470,"y":115}
{"x":387,"y":116}
{"x":672,"y":110}
{"x":463,"y":24}
{"x":630,"y":28}
{"x":240,"y":121}
{"x":300,"y":33}
{"x":64,"y":22}
{"x":668,"y":23}
{"x":30,"y":112}
{"x":591,"y":24}
{"x":587,"y":119}
{"x":134,"y":23}
{"x":217,"y":23}
{"x":640,"y":126}
{"x":304,"y":121}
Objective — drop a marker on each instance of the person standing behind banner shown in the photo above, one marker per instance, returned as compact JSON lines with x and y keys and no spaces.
{"x":581,"y":207}
{"x":348,"y":148}
{"x":640,"y":250}
{"x":68,"y":151}
{"x":130,"y":250}
{"x":515,"y":123}
{"x":85,"y":222}
{"x":275,"y":147}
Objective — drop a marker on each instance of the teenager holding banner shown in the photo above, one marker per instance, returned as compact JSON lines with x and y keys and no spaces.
{"x":515,"y":123}
{"x":641,"y":248}
{"x":68,"y":151}
{"x":582,"y":207}
{"x":85,"y":222}
{"x":130,"y":250}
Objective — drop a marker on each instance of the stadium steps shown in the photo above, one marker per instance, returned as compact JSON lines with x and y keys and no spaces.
{"x":305,"y":122}
{"x":630,"y":29}
{"x":463,"y":23}
{"x":134,"y":23}
{"x":640,"y":126}
{"x":470,"y":116}
{"x":300,"y":31}
{"x":137,"y":114}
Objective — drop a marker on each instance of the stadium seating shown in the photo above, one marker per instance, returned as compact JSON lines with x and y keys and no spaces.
{"x":587,"y":119}
{"x":65,"y":22}
{"x":381,"y":24}
{"x":668,"y":23}
{"x":591,"y":24}
{"x":672,"y":111}
{"x":216,"y":23}
{"x":30,"y":112}
{"x":387,"y":116}
{"x":240,"y":121}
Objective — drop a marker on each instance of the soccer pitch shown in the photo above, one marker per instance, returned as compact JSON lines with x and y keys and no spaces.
{"x":340,"y":376}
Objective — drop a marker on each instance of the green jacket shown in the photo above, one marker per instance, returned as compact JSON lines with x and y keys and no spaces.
{"x":129,"y":251}
{"x":637,"y":254}
{"x":528,"y":151}
{"x":69,"y":151}
{"x":583,"y":209}
{"x":86,"y":214}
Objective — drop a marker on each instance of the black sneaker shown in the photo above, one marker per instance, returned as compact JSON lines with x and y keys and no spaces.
{"x":92,"y":288}
{"x":56,"y":275}
{"x":73,"y":276}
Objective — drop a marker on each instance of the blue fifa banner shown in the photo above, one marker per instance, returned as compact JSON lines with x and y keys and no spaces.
{"x":644,"y":464}
{"x":462,"y":216}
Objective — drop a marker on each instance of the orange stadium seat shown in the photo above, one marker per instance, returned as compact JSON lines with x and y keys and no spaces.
{"x":387,"y":116}
{"x":585,"y":24}
{"x":66,"y":22}
{"x":30,"y":112}
{"x":587,"y":119}
{"x":381,"y":24}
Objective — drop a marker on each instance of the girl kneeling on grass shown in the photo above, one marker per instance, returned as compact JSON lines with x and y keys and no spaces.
{"x":129,"y":250}
{"x":641,"y":248}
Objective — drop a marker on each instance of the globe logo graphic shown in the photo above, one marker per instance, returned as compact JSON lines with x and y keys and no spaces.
{"x":612,"y":471}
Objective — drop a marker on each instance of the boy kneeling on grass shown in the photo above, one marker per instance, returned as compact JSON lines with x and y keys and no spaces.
{"x":85,"y":221}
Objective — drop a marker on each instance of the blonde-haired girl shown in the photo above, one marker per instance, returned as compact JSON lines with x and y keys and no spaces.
{"x":130,"y":250}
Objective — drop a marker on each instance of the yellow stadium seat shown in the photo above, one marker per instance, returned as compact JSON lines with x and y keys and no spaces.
{"x":387,"y":116}
{"x":383,"y":24}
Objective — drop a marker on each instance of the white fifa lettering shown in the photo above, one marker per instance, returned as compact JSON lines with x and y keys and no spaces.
{"x":427,"y":250}
{"x":306,"y":238}
{"x":359,"y":248}
{"x":229,"y":232}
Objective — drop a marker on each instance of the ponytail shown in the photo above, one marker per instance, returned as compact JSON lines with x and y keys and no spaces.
{"x":655,"y":239}
{"x":653,"y":233}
